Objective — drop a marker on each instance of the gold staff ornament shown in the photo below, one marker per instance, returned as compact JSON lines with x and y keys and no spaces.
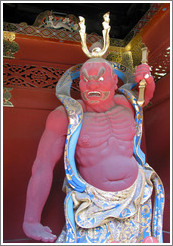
{"x":142,"y":83}
{"x":96,"y":52}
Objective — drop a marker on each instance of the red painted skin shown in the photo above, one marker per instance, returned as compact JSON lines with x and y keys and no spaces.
{"x":104,"y":152}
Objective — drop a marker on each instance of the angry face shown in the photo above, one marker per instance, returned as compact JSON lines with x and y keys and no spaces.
{"x":97,"y":82}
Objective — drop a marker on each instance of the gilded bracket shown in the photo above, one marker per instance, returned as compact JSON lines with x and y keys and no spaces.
{"x":121,"y":56}
{"x":6,"y":97}
{"x":10,"y":47}
{"x":129,"y":55}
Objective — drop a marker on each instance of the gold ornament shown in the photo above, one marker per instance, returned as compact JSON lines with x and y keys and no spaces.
{"x":97,"y":51}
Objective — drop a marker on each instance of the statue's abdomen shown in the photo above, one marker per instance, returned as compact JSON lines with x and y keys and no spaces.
{"x":104,"y":151}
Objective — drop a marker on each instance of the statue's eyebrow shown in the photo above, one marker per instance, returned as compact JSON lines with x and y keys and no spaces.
{"x":100,"y":73}
{"x":95,"y":77}
{"x":85,"y":74}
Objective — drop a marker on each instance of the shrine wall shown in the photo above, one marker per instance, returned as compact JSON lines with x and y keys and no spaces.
{"x":156,"y":36}
{"x":157,"y":136}
{"x":29,"y":90}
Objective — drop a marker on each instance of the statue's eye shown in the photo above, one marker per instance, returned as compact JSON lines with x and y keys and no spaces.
{"x":85,"y":79}
{"x":101,"y":79}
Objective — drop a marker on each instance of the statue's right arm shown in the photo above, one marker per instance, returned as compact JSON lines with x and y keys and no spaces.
{"x":49,"y":151}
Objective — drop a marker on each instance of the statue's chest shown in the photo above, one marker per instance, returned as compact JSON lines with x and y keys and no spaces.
{"x":98,"y":128}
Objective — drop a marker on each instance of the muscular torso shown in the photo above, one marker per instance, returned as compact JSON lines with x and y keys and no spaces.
{"x":104,"y":152}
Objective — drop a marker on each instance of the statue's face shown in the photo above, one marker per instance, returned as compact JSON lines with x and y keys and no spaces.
{"x":97,"y":82}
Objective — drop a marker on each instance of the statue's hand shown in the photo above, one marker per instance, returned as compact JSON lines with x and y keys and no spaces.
{"x":38,"y":232}
{"x":143,"y":72}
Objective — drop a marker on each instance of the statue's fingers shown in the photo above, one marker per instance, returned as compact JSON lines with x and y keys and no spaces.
{"x":139,"y":77}
{"x":142,"y":71}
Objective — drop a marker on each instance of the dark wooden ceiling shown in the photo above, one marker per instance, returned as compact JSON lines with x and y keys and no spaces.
{"x":123,"y":16}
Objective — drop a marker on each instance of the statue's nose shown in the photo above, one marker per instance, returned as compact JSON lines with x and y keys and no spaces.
{"x":92,"y":84}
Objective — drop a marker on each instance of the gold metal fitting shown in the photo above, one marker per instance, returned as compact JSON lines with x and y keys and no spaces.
{"x":9,"y":36}
{"x":142,"y":83}
{"x":97,"y":51}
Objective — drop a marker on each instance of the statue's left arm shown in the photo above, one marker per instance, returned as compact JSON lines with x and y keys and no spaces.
{"x":143,"y":72}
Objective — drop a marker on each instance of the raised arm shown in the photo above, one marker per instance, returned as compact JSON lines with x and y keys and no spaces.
{"x":50,"y":150}
{"x":143,"y":72}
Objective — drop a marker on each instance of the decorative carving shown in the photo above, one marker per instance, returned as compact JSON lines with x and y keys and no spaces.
{"x":31,"y":76}
{"x":161,"y":64}
{"x":60,"y":34}
{"x":57,"y":23}
{"x":9,"y":27}
{"x":49,"y":20}
{"x":7,"y":97}
{"x":10,"y":47}
{"x":39,"y":19}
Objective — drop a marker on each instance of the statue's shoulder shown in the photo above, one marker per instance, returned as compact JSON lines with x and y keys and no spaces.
{"x":58,"y":112}
{"x":57,"y":120}
{"x":120,"y":99}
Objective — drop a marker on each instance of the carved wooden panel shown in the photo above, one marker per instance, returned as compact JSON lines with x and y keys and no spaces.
{"x":31,"y":74}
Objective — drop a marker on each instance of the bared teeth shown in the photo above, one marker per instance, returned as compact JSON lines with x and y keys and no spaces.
{"x":94,"y":94}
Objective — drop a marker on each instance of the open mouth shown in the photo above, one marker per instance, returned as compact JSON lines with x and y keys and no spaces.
{"x":94,"y":94}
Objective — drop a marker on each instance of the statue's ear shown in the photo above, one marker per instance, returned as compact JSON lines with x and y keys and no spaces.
{"x":115,"y":80}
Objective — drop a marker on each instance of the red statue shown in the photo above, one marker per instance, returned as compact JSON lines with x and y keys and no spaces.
{"x":104,"y":151}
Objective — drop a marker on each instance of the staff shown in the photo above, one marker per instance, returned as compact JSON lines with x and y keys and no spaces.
{"x":143,"y":83}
